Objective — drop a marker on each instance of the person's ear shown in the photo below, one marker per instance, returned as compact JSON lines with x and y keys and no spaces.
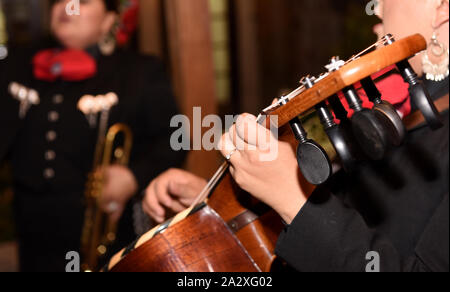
{"x":442,"y":13}
{"x":108,"y":22}
{"x":379,"y":9}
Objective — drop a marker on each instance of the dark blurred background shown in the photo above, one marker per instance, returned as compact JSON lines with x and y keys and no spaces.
{"x":261,"y":48}
{"x":280,"y":40}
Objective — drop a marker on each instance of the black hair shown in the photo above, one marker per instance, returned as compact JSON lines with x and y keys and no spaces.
{"x":111,"y":5}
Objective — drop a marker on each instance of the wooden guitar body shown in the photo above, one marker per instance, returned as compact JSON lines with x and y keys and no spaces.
{"x":206,"y":241}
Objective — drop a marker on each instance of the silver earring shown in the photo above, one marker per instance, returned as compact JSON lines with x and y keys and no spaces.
{"x":432,"y":71}
{"x":107,"y":45}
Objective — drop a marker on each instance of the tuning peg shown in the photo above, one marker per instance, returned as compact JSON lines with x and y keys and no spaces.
{"x":312,"y":159}
{"x":386,"y":113}
{"x":418,"y":92}
{"x":367,"y":128}
{"x":339,"y":138}
{"x":420,"y":96}
{"x":339,"y":110}
{"x":346,"y":146}
{"x":336,"y":134}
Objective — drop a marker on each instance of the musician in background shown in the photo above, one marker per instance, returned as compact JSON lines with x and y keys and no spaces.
{"x":50,"y":142}
{"x":396,"y":209}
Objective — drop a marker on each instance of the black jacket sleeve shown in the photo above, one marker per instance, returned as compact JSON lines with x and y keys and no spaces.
{"x":327,"y":237}
{"x":9,"y":109}
{"x":152,"y":152}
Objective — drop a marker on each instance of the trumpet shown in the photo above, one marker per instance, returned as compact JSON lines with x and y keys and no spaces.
{"x":98,"y":231}
{"x":3,"y":35}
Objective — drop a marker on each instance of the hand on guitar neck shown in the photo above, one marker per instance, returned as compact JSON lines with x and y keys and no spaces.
{"x":276,"y":182}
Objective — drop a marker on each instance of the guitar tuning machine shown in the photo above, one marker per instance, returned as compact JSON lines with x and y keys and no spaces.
{"x":337,"y":135}
{"x":367,"y":127}
{"x":420,"y":96}
{"x":418,"y":92}
{"x":312,"y":159}
{"x":386,"y":113}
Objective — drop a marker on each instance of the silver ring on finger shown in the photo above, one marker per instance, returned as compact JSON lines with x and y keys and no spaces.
{"x":228,"y":157}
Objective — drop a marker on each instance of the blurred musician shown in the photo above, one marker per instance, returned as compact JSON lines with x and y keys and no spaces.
{"x":397,"y":207}
{"x":51,"y":143}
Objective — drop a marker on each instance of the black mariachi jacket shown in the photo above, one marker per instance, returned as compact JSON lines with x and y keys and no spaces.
{"x":397,"y":208}
{"x":56,"y":125}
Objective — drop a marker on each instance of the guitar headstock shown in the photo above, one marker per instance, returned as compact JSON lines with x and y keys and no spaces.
{"x":345,"y":73}
{"x":375,"y":129}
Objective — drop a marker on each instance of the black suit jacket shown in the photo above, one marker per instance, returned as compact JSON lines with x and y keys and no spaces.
{"x":146,"y":104}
